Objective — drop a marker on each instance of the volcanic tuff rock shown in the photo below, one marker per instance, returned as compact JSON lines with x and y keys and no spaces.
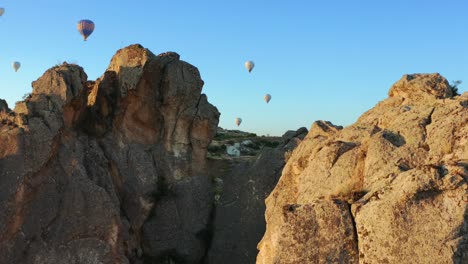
{"x":111,"y":171}
{"x":391,"y":188}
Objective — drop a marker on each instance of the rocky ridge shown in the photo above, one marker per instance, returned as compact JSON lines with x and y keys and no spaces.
{"x":391,"y":188}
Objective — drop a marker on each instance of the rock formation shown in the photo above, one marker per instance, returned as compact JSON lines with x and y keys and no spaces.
{"x":116,"y":171}
{"x":241,"y":186}
{"x":111,"y":171}
{"x":391,"y":188}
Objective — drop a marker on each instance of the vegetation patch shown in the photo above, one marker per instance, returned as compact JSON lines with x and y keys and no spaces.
{"x":269,"y":144}
{"x":226,"y":136}
{"x":454,"y":87}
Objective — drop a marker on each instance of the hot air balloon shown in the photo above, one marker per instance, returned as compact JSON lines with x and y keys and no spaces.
{"x":16,"y":65}
{"x":85,"y":27}
{"x":267,"y":98}
{"x":2,"y":10}
{"x":238,"y":121}
{"x":249,"y":65}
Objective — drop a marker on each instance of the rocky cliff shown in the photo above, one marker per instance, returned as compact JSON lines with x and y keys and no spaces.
{"x":111,"y":171}
{"x":391,"y":188}
{"x":241,"y":185}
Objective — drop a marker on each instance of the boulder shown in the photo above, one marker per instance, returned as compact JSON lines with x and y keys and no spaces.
{"x":418,"y":86}
{"x":233,"y":151}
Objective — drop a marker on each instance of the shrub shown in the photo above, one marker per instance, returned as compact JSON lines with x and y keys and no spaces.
{"x":454,"y":87}
{"x":269,"y":144}
{"x":217,"y":149}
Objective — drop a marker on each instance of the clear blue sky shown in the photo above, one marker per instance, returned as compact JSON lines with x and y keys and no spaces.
{"x":328,"y":60}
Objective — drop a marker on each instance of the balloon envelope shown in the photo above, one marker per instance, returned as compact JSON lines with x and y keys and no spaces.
{"x":267,"y":98}
{"x":16,"y":65}
{"x":249,"y":65}
{"x":238,"y":121}
{"x":2,"y":10}
{"x":85,"y":27}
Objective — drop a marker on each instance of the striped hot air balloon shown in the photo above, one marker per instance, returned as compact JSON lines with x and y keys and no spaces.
{"x":267,"y":98}
{"x":85,"y":27}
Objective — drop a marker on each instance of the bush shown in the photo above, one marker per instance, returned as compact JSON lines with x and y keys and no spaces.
{"x":255,"y":146}
{"x":217,"y":149}
{"x":269,"y":144}
{"x":454,"y":87}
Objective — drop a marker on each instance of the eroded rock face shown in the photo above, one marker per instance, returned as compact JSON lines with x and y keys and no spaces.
{"x":91,"y":172}
{"x":391,"y":188}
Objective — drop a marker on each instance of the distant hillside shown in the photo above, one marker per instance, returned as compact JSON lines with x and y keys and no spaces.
{"x":248,"y":144}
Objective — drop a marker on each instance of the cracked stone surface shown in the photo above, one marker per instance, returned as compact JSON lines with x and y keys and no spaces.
{"x":402,"y":168}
